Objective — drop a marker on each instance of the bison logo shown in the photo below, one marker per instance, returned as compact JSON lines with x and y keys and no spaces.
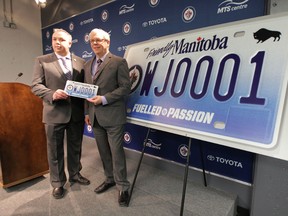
{"x":264,"y":34}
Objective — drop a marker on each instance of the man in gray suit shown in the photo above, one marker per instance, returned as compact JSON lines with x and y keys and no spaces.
{"x":60,"y":112}
{"x":106,"y":112}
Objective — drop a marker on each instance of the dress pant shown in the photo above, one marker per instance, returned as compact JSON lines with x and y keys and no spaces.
{"x":109,"y":140}
{"x":55,"y":150}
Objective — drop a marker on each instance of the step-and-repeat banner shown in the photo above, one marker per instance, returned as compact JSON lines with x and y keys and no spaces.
{"x":131,"y":22}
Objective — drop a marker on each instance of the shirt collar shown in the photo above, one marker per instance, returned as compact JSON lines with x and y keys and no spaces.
{"x":103,"y":57}
{"x":65,"y":57}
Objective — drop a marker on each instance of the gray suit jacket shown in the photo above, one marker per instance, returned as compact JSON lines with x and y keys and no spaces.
{"x":47,"y":78}
{"x":114,"y":83}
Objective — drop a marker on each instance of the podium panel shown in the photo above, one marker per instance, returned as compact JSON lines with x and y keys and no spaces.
{"x":23,"y":150}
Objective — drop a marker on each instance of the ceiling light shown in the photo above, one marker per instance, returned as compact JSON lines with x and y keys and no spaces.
{"x":41,"y":3}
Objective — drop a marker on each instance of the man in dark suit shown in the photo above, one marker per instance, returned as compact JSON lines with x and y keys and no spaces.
{"x":106,"y":112}
{"x":60,"y":112}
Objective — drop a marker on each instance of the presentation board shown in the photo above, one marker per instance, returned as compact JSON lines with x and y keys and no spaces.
{"x":225,"y":84}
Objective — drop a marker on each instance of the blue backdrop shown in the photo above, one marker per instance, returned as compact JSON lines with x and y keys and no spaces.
{"x":133,"y":21}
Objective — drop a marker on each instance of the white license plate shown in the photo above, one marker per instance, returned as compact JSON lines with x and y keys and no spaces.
{"x":228,"y":82}
{"x":81,"y":90}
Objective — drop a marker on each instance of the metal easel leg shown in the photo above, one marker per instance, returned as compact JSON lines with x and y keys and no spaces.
{"x":185,"y":178}
{"x":203,"y":166}
{"x":139,"y":164}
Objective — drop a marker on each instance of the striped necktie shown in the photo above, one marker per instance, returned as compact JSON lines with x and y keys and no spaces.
{"x":68,"y":73}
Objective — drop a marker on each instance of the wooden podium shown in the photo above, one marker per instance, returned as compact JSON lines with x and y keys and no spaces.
{"x":23,"y":150}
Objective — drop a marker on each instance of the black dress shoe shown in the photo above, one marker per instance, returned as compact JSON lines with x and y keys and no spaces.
{"x":104,"y":187}
{"x":58,"y":192}
{"x":80,"y":179}
{"x":123,"y":198}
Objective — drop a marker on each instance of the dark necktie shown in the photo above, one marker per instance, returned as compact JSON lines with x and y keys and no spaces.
{"x":99,"y":62}
{"x":68,"y":74}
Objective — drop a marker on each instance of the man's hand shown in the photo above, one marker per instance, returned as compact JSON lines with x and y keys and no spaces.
{"x":87,"y":120}
{"x":59,"y":94}
{"x":95,"y":100}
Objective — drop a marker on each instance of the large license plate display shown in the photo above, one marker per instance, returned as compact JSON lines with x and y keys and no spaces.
{"x":227,"y":82}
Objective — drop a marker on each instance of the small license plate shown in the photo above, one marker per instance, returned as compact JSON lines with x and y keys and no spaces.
{"x":81,"y":90}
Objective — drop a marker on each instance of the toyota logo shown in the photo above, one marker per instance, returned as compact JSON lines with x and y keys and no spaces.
{"x":210,"y":157}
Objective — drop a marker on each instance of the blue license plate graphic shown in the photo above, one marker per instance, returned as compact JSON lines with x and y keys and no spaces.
{"x":227,"y":82}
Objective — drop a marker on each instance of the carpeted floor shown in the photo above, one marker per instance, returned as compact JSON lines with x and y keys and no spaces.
{"x":156,"y":192}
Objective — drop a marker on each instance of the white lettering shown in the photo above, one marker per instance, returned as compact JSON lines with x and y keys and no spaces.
{"x":175,"y":113}
{"x":229,"y":162}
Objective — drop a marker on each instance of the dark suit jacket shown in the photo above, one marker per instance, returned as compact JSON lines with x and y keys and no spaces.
{"x":114,"y":83}
{"x":47,"y":78}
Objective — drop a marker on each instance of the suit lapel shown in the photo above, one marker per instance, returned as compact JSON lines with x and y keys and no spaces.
{"x":103,"y":65}
{"x":57,"y":65}
{"x":74,"y":63}
{"x":89,"y":69}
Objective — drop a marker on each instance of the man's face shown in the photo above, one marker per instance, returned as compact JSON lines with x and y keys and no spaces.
{"x":61,"y":43}
{"x":98,"y":44}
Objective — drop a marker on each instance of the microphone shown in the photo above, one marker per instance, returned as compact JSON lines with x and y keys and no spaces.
{"x":19,"y":75}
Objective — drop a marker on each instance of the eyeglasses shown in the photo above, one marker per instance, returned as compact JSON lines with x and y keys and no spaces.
{"x":98,"y":41}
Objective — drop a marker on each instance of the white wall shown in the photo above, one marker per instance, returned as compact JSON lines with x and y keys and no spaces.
{"x":278,"y":6}
{"x":269,"y":196}
{"x":19,"y":47}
